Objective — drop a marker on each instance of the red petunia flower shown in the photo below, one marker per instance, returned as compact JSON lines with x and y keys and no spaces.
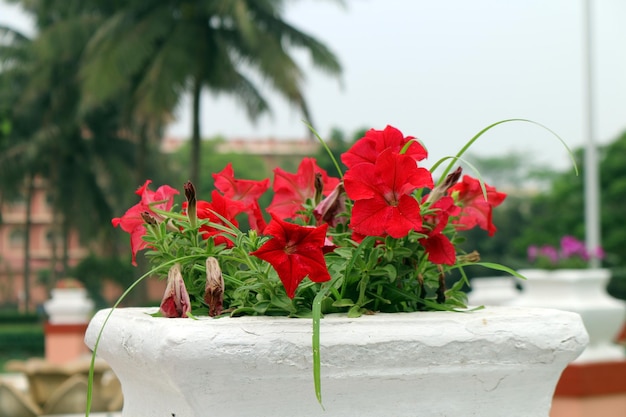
{"x":439,"y":213}
{"x":438,"y":247}
{"x":383,"y":204}
{"x":291,"y":191}
{"x":226,"y":208}
{"x":295,"y":252}
{"x":475,"y":209}
{"x":246,"y":191}
{"x":132,"y":221}
{"x":367,"y":149}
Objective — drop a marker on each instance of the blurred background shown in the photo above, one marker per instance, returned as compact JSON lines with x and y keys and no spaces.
{"x":96,"y":96}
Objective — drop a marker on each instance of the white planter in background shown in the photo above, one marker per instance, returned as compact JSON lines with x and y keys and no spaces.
{"x":492,"y":291}
{"x":69,"y":306}
{"x":582,"y":291}
{"x":488,"y":363}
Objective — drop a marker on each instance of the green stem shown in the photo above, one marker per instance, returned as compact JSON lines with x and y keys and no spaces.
{"x":327,"y":149}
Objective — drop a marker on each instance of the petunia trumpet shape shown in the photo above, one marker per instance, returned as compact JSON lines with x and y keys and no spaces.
{"x":476,"y":210}
{"x":291,"y":191}
{"x":132,"y":222}
{"x":437,"y":245}
{"x":175,"y":302}
{"x":223,"y":207}
{"x":295,"y":252}
{"x":246,"y":191}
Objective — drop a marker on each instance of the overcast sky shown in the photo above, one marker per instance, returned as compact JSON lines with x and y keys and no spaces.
{"x":442,"y":70}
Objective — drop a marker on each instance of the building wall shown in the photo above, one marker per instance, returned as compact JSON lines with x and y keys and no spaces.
{"x":12,"y":230}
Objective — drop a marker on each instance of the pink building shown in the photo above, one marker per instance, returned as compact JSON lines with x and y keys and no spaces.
{"x":42,"y":235}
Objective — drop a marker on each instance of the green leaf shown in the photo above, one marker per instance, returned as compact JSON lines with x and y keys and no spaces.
{"x":283,"y":302}
{"x":355,"y":311}
{"x":483,"y":131}
{"x":344,"y":302}
{"x":498,"y":267}
{"x":243,"y":311}
{"x":261,"y":307}
{"x":387,"y":270}
{"x":317,"y":315}
{"x":402,"y":252}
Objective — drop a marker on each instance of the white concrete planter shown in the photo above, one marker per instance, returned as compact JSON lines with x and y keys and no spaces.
{"x":69,"y":306}
{"x":490,"y":363}
{"x":582,"y":291}
{"x":492,"y":291}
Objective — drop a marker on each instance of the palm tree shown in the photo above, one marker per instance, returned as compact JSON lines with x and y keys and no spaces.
{"x":18,"y":160}
{"x":83,"y":156}
{"x":183,"y":46}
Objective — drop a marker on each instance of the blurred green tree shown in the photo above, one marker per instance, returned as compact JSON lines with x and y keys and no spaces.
{"x":180,"y":46}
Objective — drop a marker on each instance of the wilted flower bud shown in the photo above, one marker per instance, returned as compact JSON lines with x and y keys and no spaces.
{"x":190,"y":194}
{"x":330,"y":208}
{"x":147,"y":217}
{"x":214,"y":290}
{"x":175,"y":302}
{"x":441,"y":190}
{"x":471,"y":257}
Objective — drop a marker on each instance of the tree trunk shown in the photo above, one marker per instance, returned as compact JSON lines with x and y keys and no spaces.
{"x":65,"y":249}
{"x":194,"y":176}
{"x":139,"y":295}
{"x":30,"y":188}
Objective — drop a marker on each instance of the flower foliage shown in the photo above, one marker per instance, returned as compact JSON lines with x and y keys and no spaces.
{"x":381,"y":238}
{"x":572,"y":253}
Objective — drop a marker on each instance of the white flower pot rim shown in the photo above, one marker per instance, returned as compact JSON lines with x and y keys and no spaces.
{"x":392,"y":364}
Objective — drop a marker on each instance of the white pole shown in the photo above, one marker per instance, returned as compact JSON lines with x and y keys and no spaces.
{"x":591,"y":184}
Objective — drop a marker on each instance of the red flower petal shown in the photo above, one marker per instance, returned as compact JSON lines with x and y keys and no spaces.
{"x":225,"y":208}
{"x":132,"y":222}
{"x":383,"y":204}
{"x":439,"y":249}
{"x":475,"y":209}
{"x":375,"y":217}
{"x":438,"y":215}
{"x":295,"y":252}
{"x":292,"y":190}
{"x":367,"y":149}
{"x":246,"y":191}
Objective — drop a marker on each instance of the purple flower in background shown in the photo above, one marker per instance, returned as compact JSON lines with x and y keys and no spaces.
{"x":570,"y":246}
{"x":532,"y":252}
{"x":598,"y":253}
{"x":571,"y":254}
{"x":550,"y":252}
